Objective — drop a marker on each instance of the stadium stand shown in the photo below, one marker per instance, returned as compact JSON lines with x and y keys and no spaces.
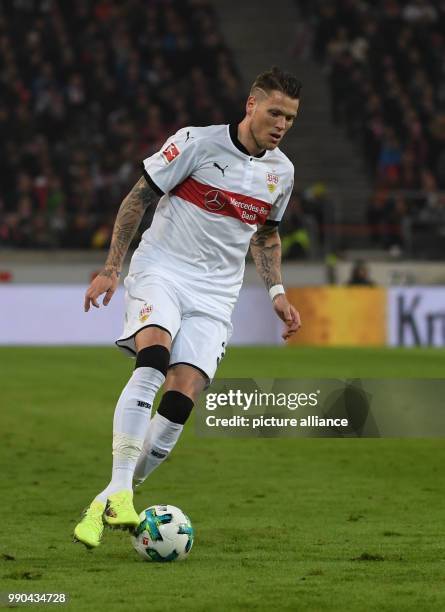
{"x":384,"y":62}
{"x":87,"y":90}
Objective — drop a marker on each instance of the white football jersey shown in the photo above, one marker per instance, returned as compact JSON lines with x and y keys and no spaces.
{"x":214,"y":195}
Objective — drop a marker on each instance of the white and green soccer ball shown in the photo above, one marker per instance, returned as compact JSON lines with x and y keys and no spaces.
{"x":165,"y":533}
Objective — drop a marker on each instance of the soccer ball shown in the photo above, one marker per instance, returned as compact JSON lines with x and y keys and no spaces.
{"x":165,"y":533}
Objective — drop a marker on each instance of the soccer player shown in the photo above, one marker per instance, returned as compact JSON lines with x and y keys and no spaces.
{"x":220,"y":189}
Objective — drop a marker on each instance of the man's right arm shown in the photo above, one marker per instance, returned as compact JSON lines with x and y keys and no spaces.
{"x":127,"y":222}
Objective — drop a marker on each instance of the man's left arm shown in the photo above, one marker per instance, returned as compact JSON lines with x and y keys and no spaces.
{"x":265,"y":246}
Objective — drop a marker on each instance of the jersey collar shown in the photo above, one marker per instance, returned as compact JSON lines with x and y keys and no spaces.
{"x":233,"y":131}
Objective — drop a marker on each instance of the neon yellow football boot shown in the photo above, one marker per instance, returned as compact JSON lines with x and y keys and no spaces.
{"x":120,"y":512}
{"x":90,"y":529}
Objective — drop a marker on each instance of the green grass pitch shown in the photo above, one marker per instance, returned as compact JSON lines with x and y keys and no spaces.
{"x":283,"y":524}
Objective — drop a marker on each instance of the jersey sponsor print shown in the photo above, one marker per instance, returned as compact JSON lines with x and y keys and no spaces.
{"x":215,"y":196}
{"x":222,"y":202}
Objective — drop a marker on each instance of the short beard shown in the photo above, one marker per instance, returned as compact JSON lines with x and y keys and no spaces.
{"x":260,"y":147}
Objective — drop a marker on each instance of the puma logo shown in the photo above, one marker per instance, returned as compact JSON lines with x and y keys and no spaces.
{"x":219,"y":167}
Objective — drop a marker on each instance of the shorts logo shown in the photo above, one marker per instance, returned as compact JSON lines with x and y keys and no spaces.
{"x":145,"y":541}
{"x":170,"y":153}
{"x":215,"y":200}
{"x":272,"y":181}
{"x":145,"y":312}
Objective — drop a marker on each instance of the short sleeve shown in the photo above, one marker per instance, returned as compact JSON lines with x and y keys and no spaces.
{"x":174,"y":162}
{"x":280,"y":205}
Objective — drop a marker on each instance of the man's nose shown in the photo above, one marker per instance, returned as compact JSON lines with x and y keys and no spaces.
{"x":281,"y":123}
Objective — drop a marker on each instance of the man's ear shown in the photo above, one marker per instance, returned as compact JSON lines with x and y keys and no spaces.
{"x":251,"y":105}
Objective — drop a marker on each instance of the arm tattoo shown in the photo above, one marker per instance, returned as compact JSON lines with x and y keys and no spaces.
{"x":127,"y":221}
{"x":265,"y":247}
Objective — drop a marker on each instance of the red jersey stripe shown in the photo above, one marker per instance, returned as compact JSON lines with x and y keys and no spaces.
{"x":221,"y":202}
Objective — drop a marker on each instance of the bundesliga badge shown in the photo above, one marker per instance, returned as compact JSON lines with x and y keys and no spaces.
{"x":272,"y":181}
{"x":145,"y":312}
{"x":170,"y":152}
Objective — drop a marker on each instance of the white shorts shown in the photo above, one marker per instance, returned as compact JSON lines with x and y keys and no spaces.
{"x":199,"y":338}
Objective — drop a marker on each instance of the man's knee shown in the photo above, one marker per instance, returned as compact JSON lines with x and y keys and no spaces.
{"x":155,"y":356}
{"x":153,"y":349}
{"x":152,"y":335}
{"x":187,"y":380}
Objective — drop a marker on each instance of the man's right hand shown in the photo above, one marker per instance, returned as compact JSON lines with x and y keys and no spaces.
{"x":105,"y":282}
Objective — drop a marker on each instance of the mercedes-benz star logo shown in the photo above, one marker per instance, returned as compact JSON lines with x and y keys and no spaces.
{"x":215,"y":200}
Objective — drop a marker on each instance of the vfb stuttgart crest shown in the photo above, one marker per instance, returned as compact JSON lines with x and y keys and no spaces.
{"x":272,"y":181}
{"x":145,"y":312}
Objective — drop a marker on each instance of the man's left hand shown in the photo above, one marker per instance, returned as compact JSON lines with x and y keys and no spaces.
{"x":287,"y":313}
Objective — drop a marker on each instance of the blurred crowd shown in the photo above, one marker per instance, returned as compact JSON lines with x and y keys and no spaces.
{"x":305,"y":226}
{"x":90,"y":88}
{"x":385,"y":61}
{"x":87,"y":90}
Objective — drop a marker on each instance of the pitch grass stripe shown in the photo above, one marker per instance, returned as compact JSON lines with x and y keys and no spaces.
{"x":285,"y":525}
